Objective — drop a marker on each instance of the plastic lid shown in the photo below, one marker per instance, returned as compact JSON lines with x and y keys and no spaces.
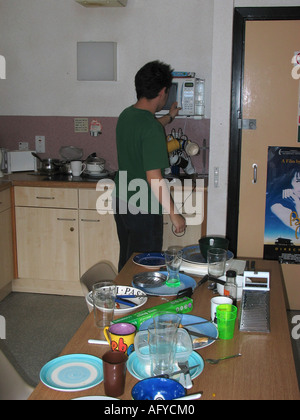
{"x":230,"y":273}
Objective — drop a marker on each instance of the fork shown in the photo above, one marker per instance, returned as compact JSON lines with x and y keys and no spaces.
{"x":216,"y":361}
{"x":185,"y":378}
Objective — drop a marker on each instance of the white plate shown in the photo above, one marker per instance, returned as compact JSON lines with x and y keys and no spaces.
{"x":73,"y":372}
{"x":192,"y":255}
{"x":121,"y":308}
{"x":95,"y":398}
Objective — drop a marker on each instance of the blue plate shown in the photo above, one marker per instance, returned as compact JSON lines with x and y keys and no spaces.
{"x":150,"y":260}
{"x":142,"y":371}
{"x":164,"y":290}
{"x":192,"y":254}
{"x":74,"y":372}
{"x":208,"y":328}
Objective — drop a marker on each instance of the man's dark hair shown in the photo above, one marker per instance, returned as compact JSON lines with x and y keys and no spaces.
{"x":152,"y":78}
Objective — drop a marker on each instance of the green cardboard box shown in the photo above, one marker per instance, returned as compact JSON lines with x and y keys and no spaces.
{"x":182,"y":306}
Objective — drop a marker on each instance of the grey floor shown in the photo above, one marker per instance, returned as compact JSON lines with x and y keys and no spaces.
{"x":38,"y":327}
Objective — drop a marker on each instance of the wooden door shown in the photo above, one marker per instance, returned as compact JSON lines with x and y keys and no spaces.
{"x":270,"y":96}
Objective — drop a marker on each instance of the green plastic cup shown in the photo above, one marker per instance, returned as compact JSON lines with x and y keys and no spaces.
{"x":226,"y":316}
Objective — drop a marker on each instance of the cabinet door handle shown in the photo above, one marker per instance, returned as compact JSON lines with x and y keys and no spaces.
{"x":254,"y":180}
{"x":90,"y":220}
{"x":45,"y":198}
{"x":65,"y":220}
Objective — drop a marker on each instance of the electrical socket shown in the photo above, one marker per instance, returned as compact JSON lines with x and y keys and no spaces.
{"x":40,"y":144}
{"x":23,"y":145}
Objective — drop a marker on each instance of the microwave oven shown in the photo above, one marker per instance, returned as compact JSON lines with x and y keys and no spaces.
{"x":18,"y":161}
{"x":188,"y":92}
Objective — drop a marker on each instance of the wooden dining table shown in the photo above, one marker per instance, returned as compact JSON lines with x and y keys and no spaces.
{"x":265,"y":371}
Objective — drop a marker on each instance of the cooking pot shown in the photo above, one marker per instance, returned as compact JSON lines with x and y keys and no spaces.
{"x":65,"y":168}
{"x":48,"y":166}
{"x":95,"y":164}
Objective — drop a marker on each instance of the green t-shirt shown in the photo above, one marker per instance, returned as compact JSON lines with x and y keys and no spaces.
{"x":141,"y":146}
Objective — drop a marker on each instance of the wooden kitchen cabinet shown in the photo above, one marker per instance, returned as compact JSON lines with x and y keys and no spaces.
{"x":59,"y":236}
{"x":6,"y":244}
{"x":47,"y":244}
{"x":66,"y":198}
{"x":98,"y":233}
{"x":98,"y":239}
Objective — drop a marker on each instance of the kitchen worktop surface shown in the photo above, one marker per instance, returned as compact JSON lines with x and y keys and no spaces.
{"x":34,"y":179}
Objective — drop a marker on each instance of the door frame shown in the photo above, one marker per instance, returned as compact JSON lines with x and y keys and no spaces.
{"x":241,"y":16}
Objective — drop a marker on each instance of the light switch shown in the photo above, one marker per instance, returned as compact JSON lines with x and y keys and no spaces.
{"x":40,"y":144}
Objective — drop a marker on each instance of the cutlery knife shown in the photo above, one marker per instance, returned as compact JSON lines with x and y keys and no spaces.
{"x":169,"y":375}
{"x":197,"y":334}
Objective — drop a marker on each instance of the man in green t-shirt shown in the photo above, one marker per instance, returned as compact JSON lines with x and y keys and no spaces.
{"x":141,"y":191}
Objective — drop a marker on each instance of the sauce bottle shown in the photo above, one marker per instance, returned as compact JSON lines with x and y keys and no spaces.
{"x":230,"y":287}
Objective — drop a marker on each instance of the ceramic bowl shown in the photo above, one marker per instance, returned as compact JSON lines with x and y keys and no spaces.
{"x":208,"y":242}
{"x":157,"y":389}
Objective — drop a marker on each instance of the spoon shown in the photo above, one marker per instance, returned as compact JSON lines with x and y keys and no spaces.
{"x":216,"y":361}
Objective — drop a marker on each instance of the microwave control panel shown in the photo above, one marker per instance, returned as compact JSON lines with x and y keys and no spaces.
{"x":188,"y":97}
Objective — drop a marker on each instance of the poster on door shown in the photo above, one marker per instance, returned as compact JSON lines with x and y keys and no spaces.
{"x":282,"y":216}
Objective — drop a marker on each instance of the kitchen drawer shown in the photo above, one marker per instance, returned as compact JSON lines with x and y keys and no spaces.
{"x":5,"y":200}
{"x":88,"y":198}
{"x":46,"y":197}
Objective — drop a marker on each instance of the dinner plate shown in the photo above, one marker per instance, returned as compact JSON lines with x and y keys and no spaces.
{"x":94,"y":174}
{"x":192,"y":254}
{"x":164,"y":290}
{"x":142,"y":371}
{"x":95,"y":398}
{"x":121,"y":308}
{"x":153,"y":260}
{"x":209,"y":328}
{"x":73,"y":372}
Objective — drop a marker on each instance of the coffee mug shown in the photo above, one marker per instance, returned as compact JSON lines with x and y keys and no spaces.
{"x":121,"y":337}
{"x":77,"y":167}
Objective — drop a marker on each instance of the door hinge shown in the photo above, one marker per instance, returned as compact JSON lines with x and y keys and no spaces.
{"x":246,"y":124}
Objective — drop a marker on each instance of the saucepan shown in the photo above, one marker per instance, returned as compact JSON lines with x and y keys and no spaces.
{"x":48,"y":166}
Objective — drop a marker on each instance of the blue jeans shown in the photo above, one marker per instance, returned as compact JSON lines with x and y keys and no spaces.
{"x":138,"y":233}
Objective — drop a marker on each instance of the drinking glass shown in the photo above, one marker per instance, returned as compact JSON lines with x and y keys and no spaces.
{"x":104,"y":295}
{"x":173,"y":259}
{"x":162,"y":343}
{"x":216,"y":259}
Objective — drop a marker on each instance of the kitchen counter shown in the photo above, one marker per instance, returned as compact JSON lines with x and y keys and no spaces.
{"x":5,"y":183}
{"x":33,"y":179}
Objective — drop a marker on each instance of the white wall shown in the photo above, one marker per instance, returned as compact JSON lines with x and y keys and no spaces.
{"x":39,"y":37}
